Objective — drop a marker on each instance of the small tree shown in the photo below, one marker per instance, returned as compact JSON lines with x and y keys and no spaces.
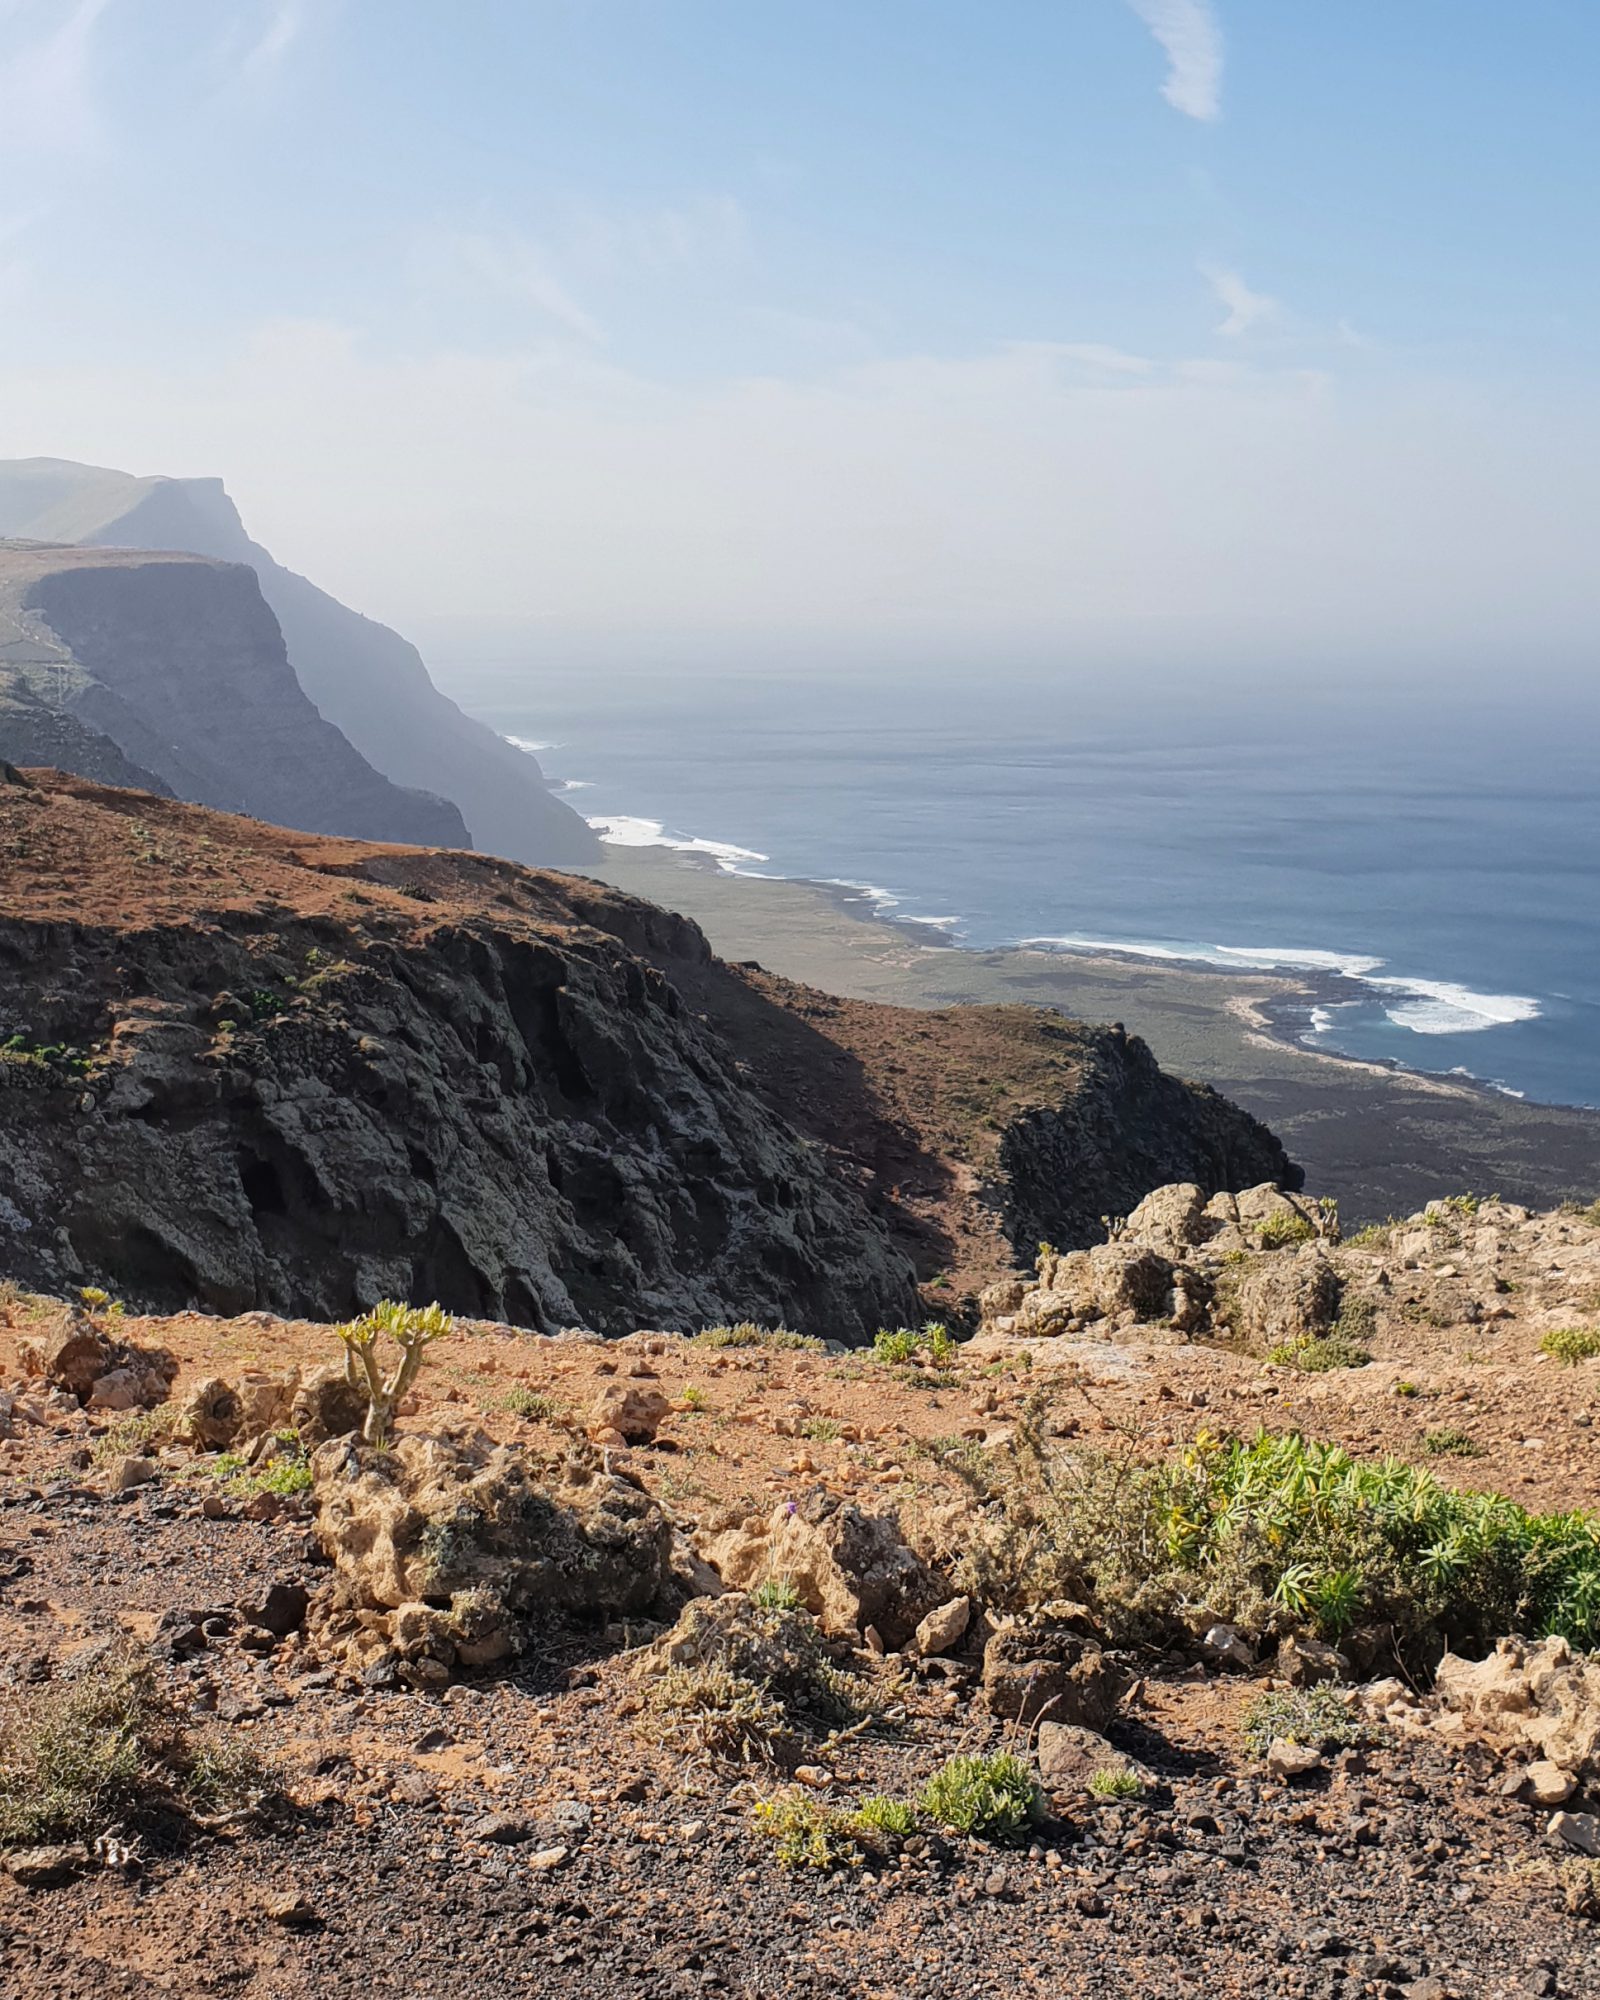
{"x":411,"y":1328}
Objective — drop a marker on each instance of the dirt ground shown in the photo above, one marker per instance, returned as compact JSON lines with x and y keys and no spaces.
{"x":1399,"y":1869}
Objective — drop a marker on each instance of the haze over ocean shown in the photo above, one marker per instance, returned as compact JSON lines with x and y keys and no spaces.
{"x":1442,"y":854}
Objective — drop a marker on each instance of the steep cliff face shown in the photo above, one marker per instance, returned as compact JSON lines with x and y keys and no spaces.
{"x":318,"y":1073}
{"x":32,"y":732}
{"x":367,"y":680}
{"x":179,"y":662}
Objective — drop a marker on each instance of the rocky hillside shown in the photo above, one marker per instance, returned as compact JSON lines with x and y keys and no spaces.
{"x":176,"y":666}
{"x":249,"y":1068}
{"x":365,"y":679}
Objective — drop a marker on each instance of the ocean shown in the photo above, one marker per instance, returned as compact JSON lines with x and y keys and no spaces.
{"x":1432,"y":861}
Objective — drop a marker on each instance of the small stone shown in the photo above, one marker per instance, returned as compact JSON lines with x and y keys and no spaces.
{"x":548,"y":1858}
{"x":281,"y":1611}
{"x":995,"y":1884}
{"x":124,"y":1474}
{"x":943,"y":1627}
{"x":1547,"y":1784}
{"x":504,"y":1829}
{"x":214,"y":1508}
{"x":45,"y":1867}
{"x":1287,"y":1761}
{"x":1227,"y":1646}
{"x":289,"y":1908}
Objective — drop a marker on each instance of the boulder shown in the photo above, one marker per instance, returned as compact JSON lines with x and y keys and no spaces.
{"x":633,"y":1409}
{"x":211,"y":1415}
{"x":1052,"y":1666}
{"x":117,"y":1389}
{"x":850,"y":1569}
{"x":1541,"y":1696}
{"x":1171,"y":1219}
{"x":1130,"y":1279}
{"x":1283,"y":1298}
{"x":1001,"y":1298}
{"x":448,"y":1554}
{"x":326,"y":1405}
{"x":122,"y":1475}
{"x":1287,"y":1761}
{"x":1303,"y":1661}
{"x":72,"y":1356}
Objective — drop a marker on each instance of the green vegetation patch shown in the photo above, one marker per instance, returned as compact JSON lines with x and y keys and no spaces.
{"x":748,"y":1334}
{"x":810,"y":1834}
{"x":1275,"y":1531}
{"x":1571,"y":1344}
{"x":1318,"y":1356}
{"x":1282,"y":1229}
{"x":993,"y":1797}
{"x":1321,"y":1718}
{"x":105,"y":1750}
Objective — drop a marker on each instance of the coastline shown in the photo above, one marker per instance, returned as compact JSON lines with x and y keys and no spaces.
{"x":1382,"y":1137}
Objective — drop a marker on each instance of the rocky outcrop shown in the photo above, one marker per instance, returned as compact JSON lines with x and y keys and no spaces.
{"x":365,"y":679}
{"x":180,"y":664}
{"x":453,"y":1554}
{"x":1126,"y":1128}
{"x":35,"y":734}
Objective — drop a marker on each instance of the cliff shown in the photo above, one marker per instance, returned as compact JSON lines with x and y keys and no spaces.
{"x":179,"y":664}
{"x":364,"y":678}
{"x":310,"y":1072}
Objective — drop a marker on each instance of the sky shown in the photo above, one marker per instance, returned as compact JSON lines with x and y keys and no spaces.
{"x":958,"y":333}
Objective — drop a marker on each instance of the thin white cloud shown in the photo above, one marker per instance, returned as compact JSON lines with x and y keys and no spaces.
{"x":1245,"y":308}
{"x":1191,"y":38}
{"x":285,"y":23}
{"x":46,"y":81}
{"x":507,"y":265}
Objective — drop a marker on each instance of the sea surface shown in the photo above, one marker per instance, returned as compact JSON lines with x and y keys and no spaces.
{"x":1434,"y":861}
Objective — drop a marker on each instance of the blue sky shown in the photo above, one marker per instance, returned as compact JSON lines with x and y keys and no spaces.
{"x":852,"y":329}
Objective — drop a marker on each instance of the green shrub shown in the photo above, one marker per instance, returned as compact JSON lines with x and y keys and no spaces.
{"x":105,"y":1749}
{"x":776,"y":1594}
{"x":714,"y":1712}
{"x":1280,"y":1229}
{"x":906,"y":1346}
{"x":1318,"y":1356}
{"x":1322,"y":1718}
{"x":413,"y":1329}
{"x":1115,"y":1783}
{"x":993,"y":1797}
{"x":1450,"y":1442}
{"x":748,"y":1334}
{"x":810,"y":1834}
{"x":1571,"y":1344}
{"x":1271,"y":1532}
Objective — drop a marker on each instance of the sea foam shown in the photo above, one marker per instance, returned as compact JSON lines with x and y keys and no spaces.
{"x":1437,"y":1007}
{"x":625,"y":830}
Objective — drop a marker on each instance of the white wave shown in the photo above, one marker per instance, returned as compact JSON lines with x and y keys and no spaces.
{"x":572,"y":784}
{"x":1110,"y":944}
{"x":1298,"y":958}
{"x":1439,"y":1007}
{"x":625,"y":830}
{"x":880,"y":899}
{"x":527,"y":743}
{"x":934,"y":923}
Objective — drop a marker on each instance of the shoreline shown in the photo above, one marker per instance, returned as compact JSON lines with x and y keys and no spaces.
{"x":1305,"y":989}
{"x":1384,"y":1138}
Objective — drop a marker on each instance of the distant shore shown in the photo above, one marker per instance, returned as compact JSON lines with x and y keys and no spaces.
{"x":1382,"y":1138}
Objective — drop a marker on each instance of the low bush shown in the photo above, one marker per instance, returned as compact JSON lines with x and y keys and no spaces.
{"x":906,"y":1345}
{"x":1281,"y":1229}
{"x":104,"y":1751}
{"x":1276,"y":1533}
{"x":748,"y":1334}
{"x":993,"y":1797}
{"x":1571,"y":1344}
{"x":1450,"y":1442}
{"x":810,"y":1834}
{"x":1116,"y":1783}
{"x":1318,"y":1356}
{"x":1322,"y":1718}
